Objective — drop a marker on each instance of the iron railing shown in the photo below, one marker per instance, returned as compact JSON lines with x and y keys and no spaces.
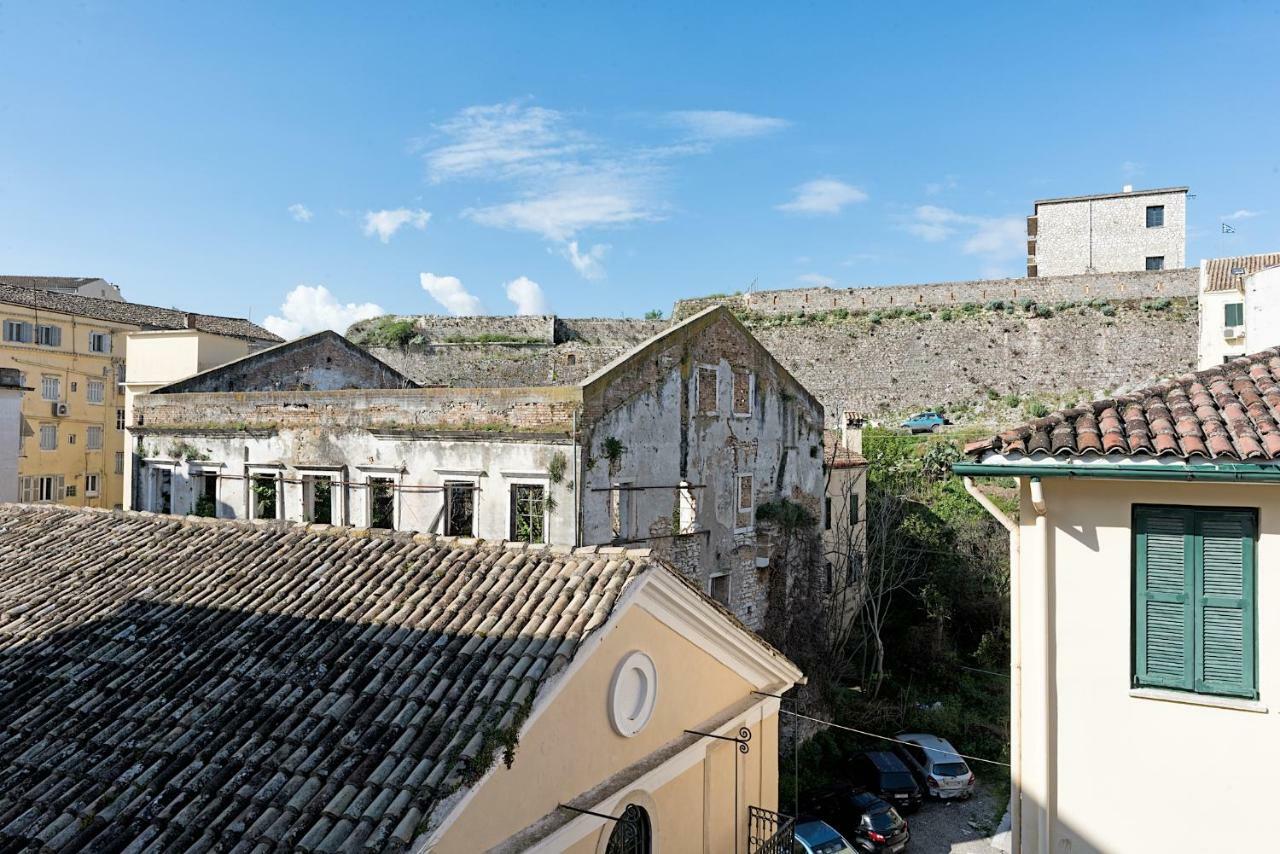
{"x":769,"y":832}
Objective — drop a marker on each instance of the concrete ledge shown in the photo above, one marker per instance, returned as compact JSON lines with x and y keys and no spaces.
{"x":1187,"y":698}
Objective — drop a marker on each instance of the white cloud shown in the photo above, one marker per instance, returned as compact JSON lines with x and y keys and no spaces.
{"x":934,"y":187}
{"x":589,"y":264}
{"x":308,"y":309}
{"x":815,"y":280}
{"x":823,"y":196}
{"x":1243,"y":213}
{"x":714,"y":125}
{"x":449,"y":292}
{"x":528,"y":296}
{"x":992,"y":239}
{"x":500,"y":141}
{"x":300,"y":212}
{"x":560,"y":214}
{"x":386,"y":223}
{"x":1132,"y":168}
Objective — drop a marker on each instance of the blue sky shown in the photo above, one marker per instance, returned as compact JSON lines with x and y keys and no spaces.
{"x":600,"y":158}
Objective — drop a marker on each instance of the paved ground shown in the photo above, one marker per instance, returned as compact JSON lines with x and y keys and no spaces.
{"x":955,"y":827}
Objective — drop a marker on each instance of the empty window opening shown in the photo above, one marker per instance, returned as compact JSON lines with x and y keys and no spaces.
{"x":688,"y":509}
{"x":720,"y":589}
{"x":743,"y":392}
{"x":528,"y":513}
{"x":460,"y":508}
{"x":317,"y":499}
{"x":264,"y":496}
{"x":622,"y":511}
{"x":382,"y":503}
{"x":206,"y":495}
{"x":161,"y":491}
{"x":746,"y":502}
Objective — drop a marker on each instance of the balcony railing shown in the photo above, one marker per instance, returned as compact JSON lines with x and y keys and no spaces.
{"x":769,"y":832}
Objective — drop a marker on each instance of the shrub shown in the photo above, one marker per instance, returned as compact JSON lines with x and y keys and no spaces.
{"x":995,"y":305}
{"x":1042,"y":311}
{"x":1108,"y":310}
{"x":390,"y":332}
{"x":653,"y":314}
{"x":1026,"y":303}
{"x":992,"y":394}
{"x":1011,"y":400}
{"x":945,"y":315}
{"x":970,"y":308}
{"x":1036,"y":409}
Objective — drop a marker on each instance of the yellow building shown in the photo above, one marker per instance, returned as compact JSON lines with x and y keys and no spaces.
{"x":70,"y":350}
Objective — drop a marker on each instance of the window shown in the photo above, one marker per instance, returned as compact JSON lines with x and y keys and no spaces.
{"x":18,"y":331}
{"x":708,"y":390}
{"x":622,"y":511}
{"x":826,"y":513}
{"x":317,"y":499}
{"x":528,"y":513}
{"x":70,"y":491}
{"x":853,"y":509}
{"x":746,"y":502}
{"x":90,"y":485}
{"x":93,"y":438}
{"x":1155,"y":262}
{"x":632,"y":833}
{"x":161,"y":490}
{"x":119,"y":419}
{"x":49,"y":336}
{"x":853,"y":569}
{"x":51,"y":387}
{"x":1233,"y":314}
{"x":119,"y":462}
{"x":720,"y":589}
{"x":93,"y":392}
{"x":71,"y":438}
{"x":1155,"y":216}
{"x":49,"y":488}
{"x":460,"y":508}
{"x":744,"y":387}
{"x":207,"y":496}
{"x":100,"y":342}
{"x":830,"y":575}
{"x":48,"y":437}
{"x":1194,"y":622}
{"x":382,"y":503}
{"x":264,"y":495}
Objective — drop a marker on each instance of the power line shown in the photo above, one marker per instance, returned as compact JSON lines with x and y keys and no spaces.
{"x":895,"y":740}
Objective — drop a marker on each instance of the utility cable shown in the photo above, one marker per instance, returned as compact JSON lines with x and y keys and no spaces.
{"x":895,"y":740}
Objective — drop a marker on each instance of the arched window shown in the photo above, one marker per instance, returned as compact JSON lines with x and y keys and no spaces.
{"x":632,"y":833}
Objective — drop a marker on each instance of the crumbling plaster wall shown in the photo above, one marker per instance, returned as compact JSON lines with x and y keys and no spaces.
{"x":652,"y":410}
{"x":418,"y":466}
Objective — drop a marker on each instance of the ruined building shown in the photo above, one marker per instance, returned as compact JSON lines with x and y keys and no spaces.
{"x":674,"y":444}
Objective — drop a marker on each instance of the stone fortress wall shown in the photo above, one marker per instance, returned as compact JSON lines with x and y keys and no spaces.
{"x":892,"y":349}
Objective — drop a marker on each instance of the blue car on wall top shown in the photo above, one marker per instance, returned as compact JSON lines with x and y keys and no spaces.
{"x":924,"y":422}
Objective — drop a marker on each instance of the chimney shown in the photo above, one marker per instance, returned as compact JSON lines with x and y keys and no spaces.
{"x":1128,"y":188}
{"x":851,"y":432}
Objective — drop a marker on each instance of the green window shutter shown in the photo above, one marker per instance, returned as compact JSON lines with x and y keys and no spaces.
{"x":1164,"y":641}
{"x":1225,"y":647}
{"x":1233,"y":314}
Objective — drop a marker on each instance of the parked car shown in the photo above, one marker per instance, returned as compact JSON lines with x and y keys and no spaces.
{"x":884,"y":774}
{"x":925,"y":422}
{"x":818,"y":837}
{"x":864,"y":819}
{"x":935,"y":765}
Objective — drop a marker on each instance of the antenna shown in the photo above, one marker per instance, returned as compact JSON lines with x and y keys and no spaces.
{"x":751,"y":288}
{"x":1228,"y":229}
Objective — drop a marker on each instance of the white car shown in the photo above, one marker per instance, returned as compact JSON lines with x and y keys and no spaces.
{"x":935,"y":764}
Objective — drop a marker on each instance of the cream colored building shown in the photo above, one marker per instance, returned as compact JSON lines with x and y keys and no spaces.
{"x":1146,"y":653}
{"x":1239,"y":302}
{"x":70,"y":349}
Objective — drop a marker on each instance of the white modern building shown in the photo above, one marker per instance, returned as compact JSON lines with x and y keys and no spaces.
{"x":1239,"y":306}
{"x":1108,"y":233}
{"x":81,"y":286}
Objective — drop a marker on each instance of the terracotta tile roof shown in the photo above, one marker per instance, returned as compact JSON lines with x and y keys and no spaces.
{"x":182,"y":684}
{"x":1228,"y":412}
{"x":1218,"y":275}
{"x":132,"y":313}
{"x":836,"y":455}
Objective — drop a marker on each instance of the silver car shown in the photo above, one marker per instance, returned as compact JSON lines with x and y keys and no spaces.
{"x":934,"y":763}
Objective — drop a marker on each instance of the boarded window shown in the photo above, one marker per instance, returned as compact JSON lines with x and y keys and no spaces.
{"x":743,"y":392}
{"x":708,"y":390}
{"x":460,"y":508}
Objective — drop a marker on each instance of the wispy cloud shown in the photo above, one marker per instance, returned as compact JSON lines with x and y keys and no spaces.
{"x":995,"y":240}
{"x":1132,"y":168}
{"x":449,"y":292}
{"x":815,"y":280}
{"x":386,"y":223}
{"x":724,"y":124}
{"x":527,"y":296}
{"x":1243,"y":213}
{"x":933,"y":188}
{"x":300,"y":212}
{"x":308,"y":309}
{"x":588,"y":263}
{"x":823,"y":197}
{"x":557,"y":180}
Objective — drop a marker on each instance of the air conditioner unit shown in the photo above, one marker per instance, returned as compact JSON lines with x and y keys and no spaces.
{"x":1233,"y":332}
{"x":61,"y":410}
